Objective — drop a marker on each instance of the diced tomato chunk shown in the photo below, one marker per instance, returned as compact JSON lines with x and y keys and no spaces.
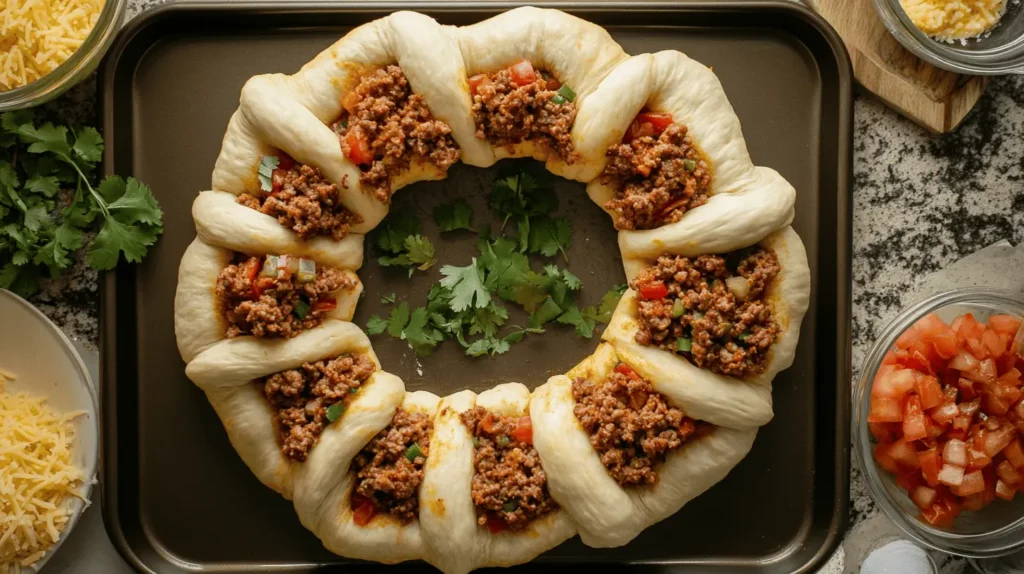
{"x":478,"y":80}
{"x":653,"y":290}
{"x":358,"y":147}
{"x":994,"y":344}
{"x":487,"y":423}
{"x":885,"y":432}
{"x":1004,"y":490}
{"x":1007,"y":324}
{"x":977,"y":459}
{"x":893,"y":383}
{"x":971,"y":483}
{"x":974,"y":502}
{"x":930,"y":392}
{"x":995,"y":405}
{"x":931,"y":464}
{"x":964,"y":362}
{"x":945,"y":413}
{"x":885,"y":410}
{"x":955,"y":453}
{"x":624,"y":369}
{"x":325,"y":304}
{"x":885,"y":460}
{"x":908,"y":479}
{"x":363,"y":509}
{"x":1007,"y":473}
{"x":907,"y":338}
{"x":1014,"y":454}
{"x":495,"y":524}
{"x":997,"y":440}
{"x":523,"y":73}
{"x":924,"y":497}
{"x":524,"y":430}
{"x":913,"y":419}
{"x":904,"y":453}
{"x":942,"y":513}
{"x":660,"y":122}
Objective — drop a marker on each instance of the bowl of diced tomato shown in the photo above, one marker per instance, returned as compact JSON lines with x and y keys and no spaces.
{"x":940,"y":422}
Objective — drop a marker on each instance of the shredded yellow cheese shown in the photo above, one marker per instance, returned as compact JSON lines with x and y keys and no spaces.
{"x":36,"y":36}
{"x":950,"y":20}
{"x":37,"y":477}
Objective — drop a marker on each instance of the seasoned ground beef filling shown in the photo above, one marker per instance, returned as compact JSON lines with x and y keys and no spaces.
{"x":657,"y":179}
{"x":510,"y":487}
{"x":389,"y":469}
{"x":710,"y":309}
{"x":630,"y":425}
{"x":303,"y":201}
{"x":301,"y":399}
{"x":386,"y":126}
{"x":274,"y":307}
{"x":507,"y":112}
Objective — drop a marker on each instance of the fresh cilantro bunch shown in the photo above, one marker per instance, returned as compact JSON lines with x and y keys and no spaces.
{"x":466,"y":305}
{"x":49,"y":206}
{"x":400,"y":244}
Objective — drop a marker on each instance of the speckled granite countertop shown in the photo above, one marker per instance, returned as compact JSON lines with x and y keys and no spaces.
{"x":920,"y":203}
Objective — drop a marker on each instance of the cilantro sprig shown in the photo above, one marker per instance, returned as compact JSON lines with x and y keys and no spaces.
{"x":468,"y":303}
{"x":50,"y":207}
{"x":400,"y":243}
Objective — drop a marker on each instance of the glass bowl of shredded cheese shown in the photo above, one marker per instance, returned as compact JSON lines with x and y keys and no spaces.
{"x":47,"y":46}
{"x":982,"y":37}
{"x":49,"y":436}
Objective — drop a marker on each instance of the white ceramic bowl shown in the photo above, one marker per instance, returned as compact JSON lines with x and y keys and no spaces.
{"x":46,"y":364}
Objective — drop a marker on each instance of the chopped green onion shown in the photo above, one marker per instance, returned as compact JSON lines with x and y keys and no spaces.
{"x":412,"y":452}
{"x":476,"y":442}
{"x":684,"y":345}
{"x":301,"y":309}
{"x":689,"y":165}
{"x":307,"y":270}
{"x":678,"y":309}
{"x":744,"y":336}
{"x":510,"y":506}
{"x":558,"y":99}
{"x":567,"y":93}
{"x":335,"y":411}
{"x":503,"y":441}
{"x":270,"y":266}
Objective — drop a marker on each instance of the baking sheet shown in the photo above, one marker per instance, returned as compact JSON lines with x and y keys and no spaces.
{"x":179,"y":498}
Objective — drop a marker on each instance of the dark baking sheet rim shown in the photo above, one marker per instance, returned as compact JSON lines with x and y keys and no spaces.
{"x":116,"y":479}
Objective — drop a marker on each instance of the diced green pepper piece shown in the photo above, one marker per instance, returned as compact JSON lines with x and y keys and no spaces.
{"x":354,"y":390}
{"x":413,"y":451}
{"x":689,"y":164}
{"x":510,"y":506}
{"x":567,"y":93}
{"x":558,"y":99}
{"x":503,"y":441}
{"x":301,"y":309}
{"x":684,"y":345}
{"x":678,"y":309}
{"x":335,"y":411}
{"x":476,"y":442}
{"x":270,"y":266}
{"x":307,"y":270}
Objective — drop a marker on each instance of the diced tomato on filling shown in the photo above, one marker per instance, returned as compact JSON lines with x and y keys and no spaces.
{"x":524,"y":430}
{"x":478,"y":80}
{"x":325,"y":304}
{"x":653,"y":290}
{"x":523,"y":73}
{"x":647,"y":124}
{"x":947,"y":414}
{"x":358,"y":147}
{"x":363,"y":509}
{"x":495,"y":524}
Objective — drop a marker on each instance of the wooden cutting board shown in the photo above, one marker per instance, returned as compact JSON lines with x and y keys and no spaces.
{"x":932,"y":97}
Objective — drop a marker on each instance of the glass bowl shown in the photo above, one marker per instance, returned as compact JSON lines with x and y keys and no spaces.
{"x":80,"y":64}
{"x":998,"y":528}
{"x":1000,"y":51}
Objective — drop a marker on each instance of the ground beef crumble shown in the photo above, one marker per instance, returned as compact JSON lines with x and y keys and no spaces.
{"x":657,"y":179}
{"x":726,"y":334}
{"x":300,"y":398}
{"x":303,"y":201}
{"x":507,"y":114}
{"x":269,"y":307}
{"x":396,"y":126}
{"x":384,"y":473}
{"x":509,"y":484}
{"x":630,"y":425}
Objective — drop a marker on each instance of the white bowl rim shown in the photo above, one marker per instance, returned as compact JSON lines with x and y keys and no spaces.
{"x":93,"y":457}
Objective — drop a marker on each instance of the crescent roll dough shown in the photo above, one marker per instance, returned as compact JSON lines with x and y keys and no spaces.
{"x":747,"y":205}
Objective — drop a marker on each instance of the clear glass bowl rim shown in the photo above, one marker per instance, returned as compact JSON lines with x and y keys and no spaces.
{"x":80,"y":64}
{"x":989,"y":544}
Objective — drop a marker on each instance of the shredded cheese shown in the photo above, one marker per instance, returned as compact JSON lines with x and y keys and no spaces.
{"x":37,"y":477}
{"x":36,"y":36}
{"x":950,"y":20}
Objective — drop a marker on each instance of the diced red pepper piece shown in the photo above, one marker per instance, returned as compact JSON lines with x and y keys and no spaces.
{"x":363,"y":509}
{"x":523,"y":73}
{"x":325,"y":304}
{"x":358,"y":147}
{"x":524,"y":430}
{"x":653,"y":290}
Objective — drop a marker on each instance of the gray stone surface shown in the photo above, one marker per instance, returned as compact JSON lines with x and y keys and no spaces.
{"x":920,"y":203}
